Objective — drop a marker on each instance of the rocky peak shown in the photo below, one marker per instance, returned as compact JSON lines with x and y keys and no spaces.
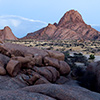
{"x":71,"y":16}
{"x":51,"y":25}
{"x":7,"y":33}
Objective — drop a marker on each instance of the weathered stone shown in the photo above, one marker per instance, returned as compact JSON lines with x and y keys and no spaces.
{"x":64,"y":68}
{"x":64,"y":92}
{"x":15,"y":52}
{"x":21,"y":59}
{"x":25,"y":50}
{"x":4,"y":60}
{"x":41,"y":81}
{"x":44,"y":72}
{"x":56,"y":54}
{"x":55,"y":73}
{"x":6,"y":33}
{"x":51,"y":62}
{"x":2,"y":71}
{"x":13,"y":67}
{"x":38,"y":60}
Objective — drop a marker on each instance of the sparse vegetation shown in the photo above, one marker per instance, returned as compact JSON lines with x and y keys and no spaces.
{"x":92,"y":56}
{"x":86,"y":47}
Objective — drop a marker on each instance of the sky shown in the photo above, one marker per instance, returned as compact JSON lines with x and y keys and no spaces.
{"x":45,"y":11}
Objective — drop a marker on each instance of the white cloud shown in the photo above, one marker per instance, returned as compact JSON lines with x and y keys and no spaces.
{"x":20,"y":17}
{"x":9,"y":22}
{"x":20,"y":25}
{"x":15,"y":22}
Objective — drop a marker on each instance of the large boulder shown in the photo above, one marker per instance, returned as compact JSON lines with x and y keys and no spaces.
{"x":64,"y":92}
{"x":50,"y":73}
{"x":62,"y":66}
{"x":56,"y":54}
{"x":3,"y":62}
{"x":95,"y":68}
{"x":13,"y":67}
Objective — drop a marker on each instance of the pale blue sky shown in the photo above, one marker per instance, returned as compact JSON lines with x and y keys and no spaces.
{"x":51,"y":11}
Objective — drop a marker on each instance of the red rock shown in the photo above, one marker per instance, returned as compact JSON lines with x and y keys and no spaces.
{"x":23,"y":50}
{"x":13,"y":67}
{"x":51,"y":62}
{"x":55,"y":73}
{"x":21,"y":59}
{"x":38,"y":60}
{"x":64,"y":68}
{"x":55,"y":54}
{"x":6,"y":33}
{"x":2,"y":71}
{"x":44,"y":72}
{"x":71,"y":26}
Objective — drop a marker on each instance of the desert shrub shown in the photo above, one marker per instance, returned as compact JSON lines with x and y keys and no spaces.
{"x":92,"y":56}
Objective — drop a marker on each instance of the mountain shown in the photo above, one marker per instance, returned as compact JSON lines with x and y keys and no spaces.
{"x":6,"y":33}
{"x":21,"y":25}
{"x":71,"y":26}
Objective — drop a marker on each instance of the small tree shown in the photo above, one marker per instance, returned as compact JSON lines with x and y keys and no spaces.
{"x":92,"y":56}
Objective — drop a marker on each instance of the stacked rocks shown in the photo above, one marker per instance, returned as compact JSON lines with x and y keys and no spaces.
{"x":36,"y":66}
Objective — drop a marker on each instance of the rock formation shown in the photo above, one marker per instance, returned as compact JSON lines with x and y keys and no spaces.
{"x":70,"y":26}
{"x":44,"y":66}
{"x":6,"y":33}
{"x":44,"y":70}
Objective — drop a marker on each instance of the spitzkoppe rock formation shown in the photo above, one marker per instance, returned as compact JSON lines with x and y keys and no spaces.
{"x":6,"y":33}
{"x":70,"y":26}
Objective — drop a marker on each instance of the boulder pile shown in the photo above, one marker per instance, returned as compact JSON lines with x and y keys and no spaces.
{"x":36,"y":66}
{"x":44,"y":70}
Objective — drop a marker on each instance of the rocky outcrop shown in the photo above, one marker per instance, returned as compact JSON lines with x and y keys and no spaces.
{"x":46,"y":72}
{"x":6,"y":33}
{"x":71,"y":26}
{"x":38,"y":66}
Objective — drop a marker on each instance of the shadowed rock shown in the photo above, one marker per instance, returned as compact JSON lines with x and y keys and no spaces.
{"x":3,"y":62}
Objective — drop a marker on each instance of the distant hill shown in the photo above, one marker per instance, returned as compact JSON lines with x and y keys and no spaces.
{"x":6,"y":33}
{"x":71,"y":26}
{"x":20,"y":26}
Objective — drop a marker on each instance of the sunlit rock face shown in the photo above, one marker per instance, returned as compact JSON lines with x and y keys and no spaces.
{"x":70,"y":26}
{"x":6,"y":33}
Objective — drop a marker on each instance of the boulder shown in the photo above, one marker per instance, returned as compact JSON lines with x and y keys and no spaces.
{"x":2,"y":71}
{"x":94,"y":67}
{"x":38,"y":60}
{"x":56,"y":54}
{"x":64,"y":91}
{"x":4,"y":51}
{"x":13,"y":67}
{"x":4,"y":60}
{"x":51,"y":62}
{"x":64,"y":68}
{"x":24,"y":50}
{"x":55,"y":73}
{"x":44,"y":72}
{"x":42,"y":80}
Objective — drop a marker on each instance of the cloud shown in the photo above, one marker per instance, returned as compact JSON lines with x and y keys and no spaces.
{"x":20,"y":17}
{"x":9,"y":22}
{"x":21,"y":25}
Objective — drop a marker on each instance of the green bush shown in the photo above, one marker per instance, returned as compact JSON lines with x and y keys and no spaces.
{"x":92,"y":56}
